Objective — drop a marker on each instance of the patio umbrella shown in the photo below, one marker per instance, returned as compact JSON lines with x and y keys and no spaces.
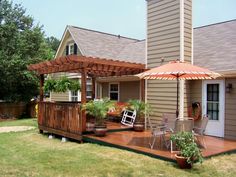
{"x":178,"y":70}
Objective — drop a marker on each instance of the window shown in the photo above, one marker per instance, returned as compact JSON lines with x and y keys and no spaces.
{"x":114,"y":92}
{"x":71,"y":49}
{"x":213,"y":101}
{"x":89,"y":88}
{"x":73,"y":96}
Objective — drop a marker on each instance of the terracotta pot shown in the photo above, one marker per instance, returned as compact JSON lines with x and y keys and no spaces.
{"x":100,"y":130}
{"x":90,"y":126}
{"x":139,"y":126}
{"x":182,"y":162}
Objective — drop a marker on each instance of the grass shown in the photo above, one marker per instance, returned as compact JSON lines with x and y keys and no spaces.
{"x":31,"y":154}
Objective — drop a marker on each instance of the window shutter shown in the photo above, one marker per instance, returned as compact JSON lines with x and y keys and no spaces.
{"x":67,"y":50}
{"x":75,"y":48}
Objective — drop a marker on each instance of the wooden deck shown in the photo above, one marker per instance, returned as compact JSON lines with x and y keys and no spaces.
{"x":139,"y":142}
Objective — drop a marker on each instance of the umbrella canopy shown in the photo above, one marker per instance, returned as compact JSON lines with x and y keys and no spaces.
{"x":178,"y":70}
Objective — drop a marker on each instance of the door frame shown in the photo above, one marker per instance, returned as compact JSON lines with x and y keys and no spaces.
{"x":221,"y":102}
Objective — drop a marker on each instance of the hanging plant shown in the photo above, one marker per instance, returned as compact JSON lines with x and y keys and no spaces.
{"x":61,"y":85}
{"x":49,"y":85}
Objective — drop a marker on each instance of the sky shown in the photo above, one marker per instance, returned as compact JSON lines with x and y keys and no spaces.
{"x":120,"y":17}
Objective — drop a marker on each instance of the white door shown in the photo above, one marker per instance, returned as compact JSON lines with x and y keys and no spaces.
{"x":213,"y":105}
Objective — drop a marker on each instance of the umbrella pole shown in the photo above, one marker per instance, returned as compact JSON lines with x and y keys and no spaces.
{"x":177,"y":105}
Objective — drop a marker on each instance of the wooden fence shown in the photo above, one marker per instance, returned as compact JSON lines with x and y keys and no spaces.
{"x":63,"y":119}
{"x":12,"y":110}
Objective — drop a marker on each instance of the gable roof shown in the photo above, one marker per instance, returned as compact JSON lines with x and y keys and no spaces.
{"x":214,"y":46}
{"x":103,"y":45}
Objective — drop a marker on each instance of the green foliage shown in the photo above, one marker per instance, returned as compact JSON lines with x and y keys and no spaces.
{"x":99,"y":109}
{"x":188,"y":148}
{"x":49,"y":85}
{"x":53,"y":43}
{"x":21,"y":43}
{"x":141,"y":108}
{"x":61,"y":85}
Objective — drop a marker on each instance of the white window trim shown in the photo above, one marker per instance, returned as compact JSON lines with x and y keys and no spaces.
{"x":69,"y":52}
{"x":113,"y":91}
{"x":78,"y":96}
{"x":221,"y":100}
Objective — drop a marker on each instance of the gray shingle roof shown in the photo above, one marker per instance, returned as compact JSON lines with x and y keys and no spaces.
{"x":215,"y":46}
{"x":103,"y":45}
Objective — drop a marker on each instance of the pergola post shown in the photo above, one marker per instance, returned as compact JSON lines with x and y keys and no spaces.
{"x":83,"y":98}
{"x":41,"y":87}
{"x":142,"y":90}
{"x":93,"y":87}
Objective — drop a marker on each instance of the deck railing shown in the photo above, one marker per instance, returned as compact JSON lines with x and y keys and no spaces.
{"x":60,"y":118}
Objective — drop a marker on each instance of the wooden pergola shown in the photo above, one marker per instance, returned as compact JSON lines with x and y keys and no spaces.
{"x":87,"y":66}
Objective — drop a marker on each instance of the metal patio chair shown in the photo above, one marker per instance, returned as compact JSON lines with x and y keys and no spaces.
{"x":156,"y":131}
{"x":185,"y":125}
{"x":199,"y":130}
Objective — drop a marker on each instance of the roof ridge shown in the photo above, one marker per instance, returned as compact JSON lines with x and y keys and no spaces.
{"x":101,"y":32}
{"x":218,"y":23}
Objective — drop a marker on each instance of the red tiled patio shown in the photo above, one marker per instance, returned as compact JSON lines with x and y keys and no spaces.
{"x":139,"y":142}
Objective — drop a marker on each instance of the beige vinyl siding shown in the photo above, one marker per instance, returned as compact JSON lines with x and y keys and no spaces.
{"x":128,"y":90}
{"x":59,"y":96}
{"x":105,"y":90}
{"x":230,"y":110}
{"x":62,"y":52}
{"x":163,"y":41}
{"x":187,"y":30}
{"x":196,"y":91}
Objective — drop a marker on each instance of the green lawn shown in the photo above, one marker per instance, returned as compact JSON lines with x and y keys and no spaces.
{"x":31,"y":154}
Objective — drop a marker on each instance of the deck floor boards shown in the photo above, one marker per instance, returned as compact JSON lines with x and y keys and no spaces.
{"x":139,"y":142}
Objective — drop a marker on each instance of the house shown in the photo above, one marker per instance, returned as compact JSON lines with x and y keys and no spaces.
{"x":92,"y":43}
{"x":206,"y":54}
{"x":169,"y":36}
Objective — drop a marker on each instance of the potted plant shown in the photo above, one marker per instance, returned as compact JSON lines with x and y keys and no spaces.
{"x":141,"y":109}
{"x":99,"y":110}
{"x":189,"y":152}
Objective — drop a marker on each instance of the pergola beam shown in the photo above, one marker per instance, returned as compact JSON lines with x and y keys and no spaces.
{"x":74,"y":63}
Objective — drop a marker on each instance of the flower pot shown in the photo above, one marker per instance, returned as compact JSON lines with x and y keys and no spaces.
{"x":182,"y":162}
{"x":100,"y":130}
{"x":90,"y":126}
{"x":139,"y":126}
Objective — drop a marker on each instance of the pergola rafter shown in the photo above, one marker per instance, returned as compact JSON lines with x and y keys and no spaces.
{"x":95,"y":66}
{"x":87,"y":66}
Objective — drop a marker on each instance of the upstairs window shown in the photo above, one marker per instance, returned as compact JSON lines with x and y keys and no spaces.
{"x":71,"y":49}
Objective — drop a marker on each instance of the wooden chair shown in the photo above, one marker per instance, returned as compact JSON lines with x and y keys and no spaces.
{"x":128,"y":118}
{"x":199,"y":130}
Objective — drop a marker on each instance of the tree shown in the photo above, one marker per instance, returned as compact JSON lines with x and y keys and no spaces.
{"x":53,"y":43}
{"x":21,"y":43}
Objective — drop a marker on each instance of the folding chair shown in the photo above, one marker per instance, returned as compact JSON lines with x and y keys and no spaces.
{"x":128,"y":118}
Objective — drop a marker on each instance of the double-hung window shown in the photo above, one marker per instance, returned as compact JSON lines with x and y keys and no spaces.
{"x":71,"y":49}
{"x":114,"y":91}
{"x":73,"y":95}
